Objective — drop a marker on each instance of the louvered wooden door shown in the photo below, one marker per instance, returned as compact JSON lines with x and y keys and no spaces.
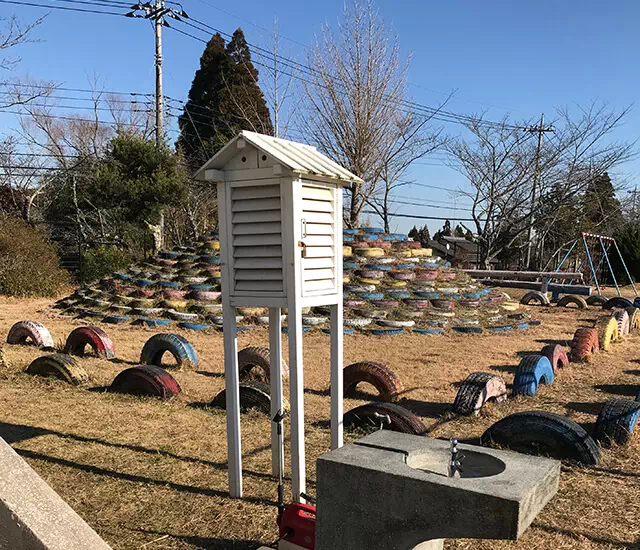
{"x":318,"y":234}
{"x":256,"y":238}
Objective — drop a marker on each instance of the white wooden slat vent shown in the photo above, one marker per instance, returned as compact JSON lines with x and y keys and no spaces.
{"x":256,"y":234}
{"x":318,"y":234}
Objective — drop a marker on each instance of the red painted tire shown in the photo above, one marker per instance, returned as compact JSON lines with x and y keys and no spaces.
{"x":30,"y":332}
{"x":148,"y":380}
{"x":584,"y":344}
{"x":92,"y":336}
{"x":417,"y":303}
{"x":381,"y":377}
{"x":557,"y":356}
{"x":401,"y":419}
{"x":174,"y":294}
{"x":144,"y":293}
{"x":205,"y":296}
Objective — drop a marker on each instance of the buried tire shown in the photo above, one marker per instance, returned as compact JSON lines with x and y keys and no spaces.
{"x":532,"y":371}
{"x":254,"y":363}
{"x":367,"y":417}
{"x":30,"y":332}
{"x":535,"y":296}
{"x":616,"y":421}
{"x":584,"y":344}
{"x":94,"y":337}
{"x":61,"y":366}
{"x":147,"y":380}
{"x":622,"y":318}
{"x":634,"y":318}
{"x":156,"y":346}
{"x":381,"y":377}
{"x":596,"y":300}
{"x":557,"y":356}
{"x":476,"y":390}
{"x":618,"y":301}
{"x":607,"y":328}
{"x":543,"y":433}
{"x":566,"y":301}
{"x":253,"y":396}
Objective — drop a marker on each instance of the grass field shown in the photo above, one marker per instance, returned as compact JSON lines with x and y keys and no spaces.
{"x":152,"y":475}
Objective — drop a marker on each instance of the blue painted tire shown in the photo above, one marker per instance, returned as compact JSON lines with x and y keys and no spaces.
{"x":199,"y":287}
{"x":285,"y":330}
{"x":427,"y":295}
{"x":121,"y":276}
{"x":532,"y":371}
{"x":350,"y":265}
{"x":152,"y":322}
{"x":211,"y":260}
{"x":399,"y":294}
{"x":349,"y":231}
{"x":387,"y":331}
{"x":405,"y":266}
{"x":182,"y":351}
{"x":428,"y":330}
{"x":616,"y":421}
{"x":142,"y":283}
{"x":168,"y":254}
{"x":369,"y":237}
{"x":522,"y":326}
{"x":372,"y":230}
{"x":378,"y":267}
{"x":472,"y":295}
{"x":467,"y":330}
{"x":348,"y":238}
{"x":168,"y":284}
{"x":371,"y":295}
{"x":115,"y":319}
{"x":500,"y":328}
{"x":347,"y":331}
{"x":194,"y":326}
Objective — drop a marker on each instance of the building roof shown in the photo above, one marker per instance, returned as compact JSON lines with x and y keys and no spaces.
{"x":298,"y":157}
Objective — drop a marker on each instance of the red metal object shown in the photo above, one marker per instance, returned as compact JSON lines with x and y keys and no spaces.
{"x":298,"y":525}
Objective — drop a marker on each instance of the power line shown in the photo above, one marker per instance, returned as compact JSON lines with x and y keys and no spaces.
{"x":76,"y":119}
{"x":65,"y":89}
{"x":419,"y":217}
{"x":66,"y":8}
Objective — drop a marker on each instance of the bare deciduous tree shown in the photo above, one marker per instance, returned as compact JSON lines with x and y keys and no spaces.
{"x":500,"y":162}
{"x":356,"y":110}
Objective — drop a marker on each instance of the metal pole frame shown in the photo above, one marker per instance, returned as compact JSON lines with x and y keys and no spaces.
{"x":609,"y":264}
{"x":567,"y":255}
{"x":586,"y":249}
{"x":624,"y":264}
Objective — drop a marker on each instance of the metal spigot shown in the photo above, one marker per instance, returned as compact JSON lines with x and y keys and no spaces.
{"x":385,"y":420}
{"x":456,"y":459}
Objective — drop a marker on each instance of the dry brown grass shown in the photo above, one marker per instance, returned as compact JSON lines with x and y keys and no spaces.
{"x":153,"y":475}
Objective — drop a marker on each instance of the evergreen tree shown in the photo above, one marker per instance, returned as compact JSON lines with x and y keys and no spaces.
{"x":468,"y":235}
{"x":223,"y":100}
{"x":601,"y":209}
{"x":424,"y":236}
{"x":444,"y":232}
{"x":414,"y":233}
{"x":459,"y":232}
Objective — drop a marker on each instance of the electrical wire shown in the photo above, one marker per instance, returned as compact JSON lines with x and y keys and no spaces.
{"x":66,"y":8}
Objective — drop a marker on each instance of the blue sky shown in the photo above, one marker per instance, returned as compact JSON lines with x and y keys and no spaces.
{"x":499,"y":57}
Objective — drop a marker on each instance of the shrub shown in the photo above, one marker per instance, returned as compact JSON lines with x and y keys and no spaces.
{"x":29,"y":264}
{"x":103,"y":260}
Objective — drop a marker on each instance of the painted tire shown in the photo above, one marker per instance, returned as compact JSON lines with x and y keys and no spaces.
{"x":426,"y":275}
{"x":616,"y":421}
{"x":381,"y":377}
{"x":393,"y":323}
{"x":578,"y":301}
{"x":385,"y":304}
{"x":607,"y":328}
{"x":467,"y":330}
{"x":417,"y":303}
{"x":386,"y":331}
{"x":147,"y":380}
{"x":402,"y":275}
{"x":180,"y":316}
{"x":532,"y":371}
{"x":535,"y":296}
{"x":152,"y":322}
{"x":428,"y":331}
{"x":30,"y":333}
{"x":253,"y":396}
{"x":427,"y":295}
{"x":254,"y":363}
{"x":92,"y":336}
{"x":476,"y":390}
{"x":368,"y":252}
{"x":370,"y":274}
{"x":584,"y":344}
{"x":622,"y":318}
{"x":377,"y":267}
{"x":545,"y":433}
{"x":557,"y":356}
{"x":116,"y":319}
{"x":618,"y":301}
{"x":194,"y":326}
{"x":446,"y":305}
{"x":174,"y":294}
{"x":596,"y":300}
{"x":358,"y":322}
{"x":634,"y":318}
{"x":371,"y":295}
{"x":500,"y":328}
{"x":59,"y":365}
{"x":313,"y":321}
{"x":156,"y":346}
{"x":401,"y":419}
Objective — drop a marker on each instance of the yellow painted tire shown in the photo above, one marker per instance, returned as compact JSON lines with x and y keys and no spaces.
{"x":346,"y":279}
{"x":369,"y":252}
{"x":511,"y":306}
{"x":607,"y":328}
{"x":634,"y":318}
{"x":212,"y":245}
{"x":174,"y":304}
{"x":397,"y":284}
{"x":252,"y":311}
{"x":420,"y":252}
{"x":370,"y":281}
{"x":404,"y":253}
{"x":346,"y":251}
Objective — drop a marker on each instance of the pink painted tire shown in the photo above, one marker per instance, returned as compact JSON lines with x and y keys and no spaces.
{"x":147,"y":380}
{"x":144,"y":293}
{"x":426,"y":275}
{"x":30,"y":333}
{"x":95,"y":337}
{"x":414,"y":244}
{"x":402,"y":275}
{"x":557,"y":356}
{"x":417,"y":303}
{"x":370,"y":274}
{"x":385,"y":304}
{"x":439,"y":303}
{"x":359,"y":244}
{"x":355,"y":303}
{"x":174,"y":294}
{"x":205,"y":296}
{"x":448,"y":275}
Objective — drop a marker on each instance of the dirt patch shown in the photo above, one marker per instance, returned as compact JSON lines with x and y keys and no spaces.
{"x":152,"y":475}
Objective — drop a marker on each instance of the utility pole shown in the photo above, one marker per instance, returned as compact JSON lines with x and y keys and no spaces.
{"x":156,"y":13}
{"x":540,"y":130}
{"x":633,"y":203}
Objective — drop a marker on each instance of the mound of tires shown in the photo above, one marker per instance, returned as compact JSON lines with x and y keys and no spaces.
{"x":543,"y":433}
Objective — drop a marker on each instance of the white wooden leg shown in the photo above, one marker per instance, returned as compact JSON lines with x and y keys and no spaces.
{"x":337,"y":336}
{"x":232,"y":381}
{"x":275,"y":357}
{"x":296,"y":377}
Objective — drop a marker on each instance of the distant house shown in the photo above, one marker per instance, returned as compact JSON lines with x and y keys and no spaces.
{"x":458,"y":250}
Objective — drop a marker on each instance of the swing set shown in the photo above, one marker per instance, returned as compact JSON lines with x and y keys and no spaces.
{"x":596,"y":257}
